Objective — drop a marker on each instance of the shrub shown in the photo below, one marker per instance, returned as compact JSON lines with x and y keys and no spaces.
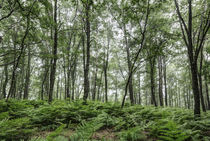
{"x":16,"y":129}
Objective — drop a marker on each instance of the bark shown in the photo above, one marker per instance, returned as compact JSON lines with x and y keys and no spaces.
{"x":99,"y":87}
{"x":87,"y":61}
{"x":74,"y":77}
{"x":69,"y":67}
{"x":152,"y":81}
{"x":21,"y":79}
{"x":95,"y":83}
{"x":106,"y":63}
{"x":28,"y":74}
{"x":65,"y":80}
{"x":200,"y":81}
{"x":45,"y":81}
{"x":4,"y":91}
{"x":195,"y":88}
{"x":139,"y":99}
{"x":13,"y":79}
{"x":58,"y":81}
{"x":54,"y":52}
{"x":207,"y":92}
{"x":160,"y":80}
{"x":165,"y":82}
{"x":116,"y":92}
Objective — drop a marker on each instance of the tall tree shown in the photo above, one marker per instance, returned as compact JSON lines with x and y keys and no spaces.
{"x":194,"y":44}
{"x":87,"y":5}
{"x":54,"y":54}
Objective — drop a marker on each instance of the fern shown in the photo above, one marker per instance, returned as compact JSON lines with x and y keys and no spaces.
{"x":56,"y":133}
{"x":85,"y":130}
{"x":132,"y":134}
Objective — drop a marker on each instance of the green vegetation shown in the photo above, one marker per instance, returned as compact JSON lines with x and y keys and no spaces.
{"x":40,"y":121}
{"x":127,"y":70}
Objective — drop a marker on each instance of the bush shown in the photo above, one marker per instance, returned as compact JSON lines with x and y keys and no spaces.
{"x":16,"y":129}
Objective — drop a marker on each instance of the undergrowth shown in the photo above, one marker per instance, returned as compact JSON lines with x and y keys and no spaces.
{"x":28,"y":120}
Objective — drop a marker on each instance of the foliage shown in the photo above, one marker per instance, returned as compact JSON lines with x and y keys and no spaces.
{"x":56,"y":132}
{"x":132,"y":134}
{"x":21,"y":120}
{"x":16,"y":129}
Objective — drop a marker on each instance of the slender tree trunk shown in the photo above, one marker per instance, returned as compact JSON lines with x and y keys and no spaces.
{"x":106,"y":84}
{"x":68,"y":89}
{"x":130,"y":85}
{"x":54,"y":59}
{"x":152,"y":82}
{"x":74,"y":77}
{"x":65,"y":80}
{"x":28,"y":74}
{"x":58,"y":81}
{"x":139,"y":78}
{"x":68,"y":82}
{"x":95,"y":83}
{"x":160,"y":80}
{"x":116,"y":92}
{"x":106,"y":63}
{"x":99,"y":87}
{"x":207,"y":92}
{"x":4,"y":91}
{"x":61,"y":88}
{"x":87,"y":62}
{"x":200,"y":81}
{"x":165,"y":82}
{"x":45,"y":81}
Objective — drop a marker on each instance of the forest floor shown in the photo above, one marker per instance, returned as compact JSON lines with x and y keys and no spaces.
{"x":74,"y":121}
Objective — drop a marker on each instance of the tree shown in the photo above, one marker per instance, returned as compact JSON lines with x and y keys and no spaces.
{"x":54,"y":54}
{"x":194,"y":44}
{"x":87,"y":5}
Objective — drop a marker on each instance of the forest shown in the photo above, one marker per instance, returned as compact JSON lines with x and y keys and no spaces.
{"x":104,"y":70}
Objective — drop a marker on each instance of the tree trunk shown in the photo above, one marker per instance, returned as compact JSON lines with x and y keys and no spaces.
{"x":160,"y":80}
{"x":99,"y":86}
{"x":152,"y":82}
{"x":116,"y":92}
{"x":74,"y":77}
{"x":165,"y":82}
{"x":200,"y":81}
{"x":68,"y":82}
{"x":195,"y":88}
{"x":54,"y":51}
{"x":139,"y":78}
{"x":65,"y":80}
{"x":4,"y":91}
{"x":57,"y":88}
{"x":130,"y":85}
{"x":106,"y":62}
{"x":45,"y":81}
{"x":28,"y":74}
{"x":95,"y":83}
{"x":207,"y":92}
{"x":106,"y":84}
{"x":87,"y":58}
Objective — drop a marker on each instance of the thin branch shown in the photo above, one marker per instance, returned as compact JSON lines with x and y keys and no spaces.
{"x":180,"y":16}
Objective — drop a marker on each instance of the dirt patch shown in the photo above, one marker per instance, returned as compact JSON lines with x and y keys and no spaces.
{"x":206,"y":133}
{"x":42,"y":134}
{"x":67,"y":133}
{"x":107,"y":134}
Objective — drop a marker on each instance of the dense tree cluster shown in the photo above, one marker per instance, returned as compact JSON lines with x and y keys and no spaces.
{"x":138,"y":51}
